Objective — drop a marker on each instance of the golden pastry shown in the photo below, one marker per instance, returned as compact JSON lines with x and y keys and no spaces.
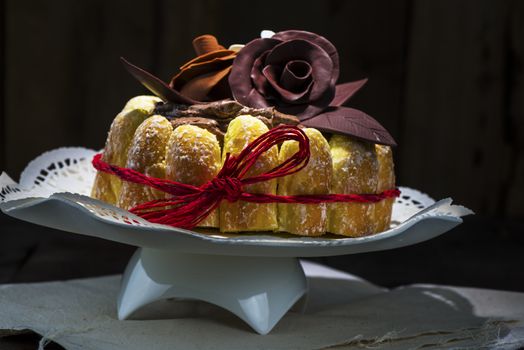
{"x":193,"y":157}
{"x":315,"y":178}
{"x":244,"y":216}
{"x":107,"y":187}
{"x":147,"y":154}
{"x":355,"y":168}
{"x":381,"y":215}
{"x":191,"y":154}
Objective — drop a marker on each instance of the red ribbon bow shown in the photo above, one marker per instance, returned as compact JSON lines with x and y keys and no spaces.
{"x":192,"y":204}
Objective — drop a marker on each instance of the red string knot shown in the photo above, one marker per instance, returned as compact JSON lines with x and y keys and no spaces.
{"x":229,"y":187}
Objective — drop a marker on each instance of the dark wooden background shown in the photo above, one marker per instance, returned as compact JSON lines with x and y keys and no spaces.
{"x":446,"y":78}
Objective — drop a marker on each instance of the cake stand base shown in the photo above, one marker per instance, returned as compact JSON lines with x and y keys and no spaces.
{"x":259,"y":290}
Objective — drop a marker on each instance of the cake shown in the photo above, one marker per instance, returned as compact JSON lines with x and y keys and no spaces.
{"x":223,"y":100}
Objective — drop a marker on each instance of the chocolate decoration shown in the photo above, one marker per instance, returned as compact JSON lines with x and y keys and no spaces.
{"x":345,"y":91}
{"x":220,"y":56}
{"x":269,"y":63}
{"x":155,"y":85}
{"x":294,"y":73}
{"x":249,"y":64}
{"x":206,"y":87}
{"x":307,"y":111}
{"x":306,"y":89}
{"x":325,"y":44}
{"x":220,"y":113}
{"x":352,"y":122}
{"x":204,"y":78}
{"x":205,"y":123}
{"x":296,"y":76}
{"x":275,"y":77}
{"x":318,"y":60}
{"x":206,"y":43}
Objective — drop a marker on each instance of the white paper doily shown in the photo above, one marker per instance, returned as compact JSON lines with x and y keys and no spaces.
{"x":54,"y":191}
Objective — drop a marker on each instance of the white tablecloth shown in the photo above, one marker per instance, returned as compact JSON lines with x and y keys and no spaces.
{"x":340,"y":311}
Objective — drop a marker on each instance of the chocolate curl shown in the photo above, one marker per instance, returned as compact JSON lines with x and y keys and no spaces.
{"x":206,"y":43}
{"x":191,"y":204}
{"x":204,"y":78}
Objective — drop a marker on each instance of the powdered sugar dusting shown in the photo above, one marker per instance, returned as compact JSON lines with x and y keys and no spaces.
{"x":243,"y":216}
{"x":193,"y":155}
{"x":315,"y":178}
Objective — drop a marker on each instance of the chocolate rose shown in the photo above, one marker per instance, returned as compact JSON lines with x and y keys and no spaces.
{"x":295,"y":71}
{"x":204,"y":78}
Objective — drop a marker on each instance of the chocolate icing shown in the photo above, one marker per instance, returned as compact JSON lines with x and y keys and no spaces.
{"x":215,"y":116}
{"x":210,"y":125}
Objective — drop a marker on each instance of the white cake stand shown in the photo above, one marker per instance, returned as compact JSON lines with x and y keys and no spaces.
{"x":255,"y":276}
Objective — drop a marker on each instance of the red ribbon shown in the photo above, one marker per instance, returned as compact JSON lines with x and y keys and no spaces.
{"x":192,"y":204}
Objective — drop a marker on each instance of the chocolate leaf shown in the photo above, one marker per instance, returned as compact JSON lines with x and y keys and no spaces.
{"x":345,"y":91}
{"x":156,"y":85}
{"x":351,"y":122}
{"x":308,"y":110}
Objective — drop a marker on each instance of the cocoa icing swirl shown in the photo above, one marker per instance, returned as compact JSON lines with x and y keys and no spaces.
{"x":215,"y":116}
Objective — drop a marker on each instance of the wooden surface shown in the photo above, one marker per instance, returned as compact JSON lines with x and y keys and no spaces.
{"x":446,"y":77}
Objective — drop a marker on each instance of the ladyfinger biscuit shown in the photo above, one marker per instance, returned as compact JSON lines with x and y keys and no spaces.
{"x":147,"y":154}
{"x":355,"y":167}
{"x":315,"y":178}
{"x":107,"y":187}
{"x":244,"y":216}
{"x":386,"y":181}
{"x":193,"y":157}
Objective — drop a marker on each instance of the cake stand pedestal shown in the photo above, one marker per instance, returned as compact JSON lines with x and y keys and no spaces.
{"x":259,"y":290}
